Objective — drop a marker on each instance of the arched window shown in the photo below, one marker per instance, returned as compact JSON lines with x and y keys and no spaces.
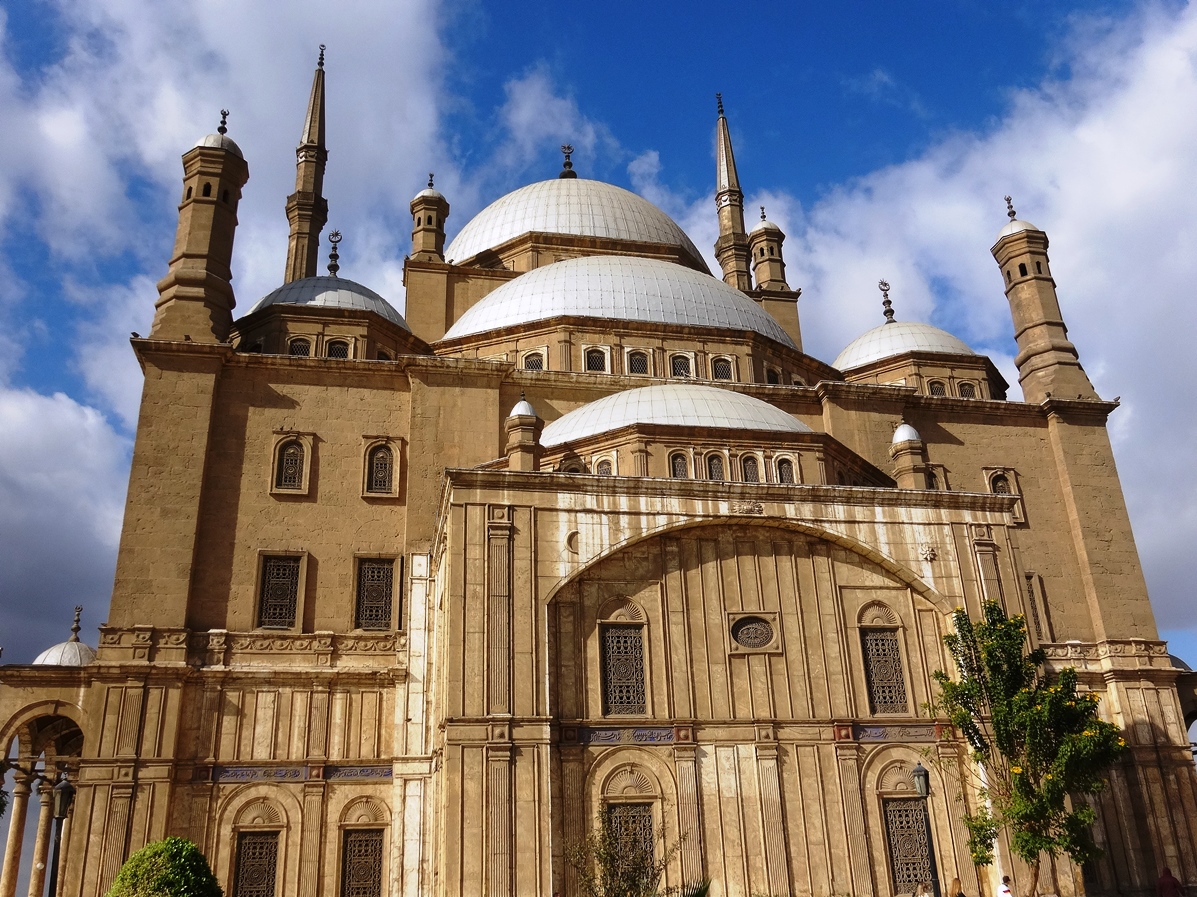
{"x":785,"y":471}
{"x":721,"y":369}
{"x":772,"y":376}
{"x":714,"y":467}
{"x":637,"y":362}
{"x":224,"y":197}
{"x":679,"y":365}
{"x":1022,"y":270}
{"x":301,"y":348}
{"x":383,"y":355}
{"x":999,"y":483}
{"x":750,"y":470}
{"x":289,"y":473}
{"x":534,"y":362}
{"x":968,"y":390}
{"x":189,"y":193}
{"x":380,"y":467}
{"x":936,"y":388}
{"x":1007,"y":275}
{"x":337,"y":348}
{"x":678,"y":466}
{"x":596,"y":360}
{"x":932,"y":479}
{"x":603,"y":468}
{"x":883,"y":670}
{"x":771,"y":251}
{"x":207,"y":189}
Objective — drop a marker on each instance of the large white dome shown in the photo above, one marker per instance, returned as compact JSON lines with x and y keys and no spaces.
{"x":895,"y":338}
{"x":331,"y":292}
{"x":569,"y":206}
{"x":619,"y":288}
{"x":675,"y":404}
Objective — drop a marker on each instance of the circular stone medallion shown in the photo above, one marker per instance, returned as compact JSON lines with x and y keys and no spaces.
{"x":752,"y":632}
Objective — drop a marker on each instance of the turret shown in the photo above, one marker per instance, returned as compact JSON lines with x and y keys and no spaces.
{"x":732,"y":246}
{"x":1047,"y":361}
{"x":523,"y":437}
{"x":768,"y":267}
{"x":307,"y":209}
{"x":195,"y":298}
{"x":429,"y":209}
{"x":906,"y":450}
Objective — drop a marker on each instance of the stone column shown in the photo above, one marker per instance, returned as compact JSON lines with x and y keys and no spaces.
{"x":16,"y":836}
{"x":310,"y":834}
{"x":684,"y":758}
{"x":64,"y":852}
{"x":41,"y":846}
{"x":775,"y":842}
{"x":499,"y":813}
{"x":853,"y":798}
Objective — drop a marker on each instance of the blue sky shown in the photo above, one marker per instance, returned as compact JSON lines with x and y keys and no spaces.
{"x":880,"y":136}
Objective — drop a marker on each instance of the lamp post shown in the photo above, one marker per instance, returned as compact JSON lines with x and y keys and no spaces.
{"x":922,"y":785}
{"x":64,"y":795}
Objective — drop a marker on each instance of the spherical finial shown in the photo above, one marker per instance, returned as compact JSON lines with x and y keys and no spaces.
{"x":430,"y":176}
{"x":762,"y":213}
{"x":883,"y":285}
{"x":719,"y":102}
{"x":223,"y":128}
{"x":333,"y":256}
{"x":320,"y":61}
{"x":75,"y":627}
{"x":1010,"y":213}
{"x":567,"y":167}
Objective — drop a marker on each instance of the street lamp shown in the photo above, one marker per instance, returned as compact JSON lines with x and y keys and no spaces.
{"x":64,"y":795}
{"x":922,"y":785}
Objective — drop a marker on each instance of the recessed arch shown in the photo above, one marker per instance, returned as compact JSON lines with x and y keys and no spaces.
{"x":260,"y":811}
{"x":622,"y":610}
{"x":365,"y":811}
{"x":878,"y":613}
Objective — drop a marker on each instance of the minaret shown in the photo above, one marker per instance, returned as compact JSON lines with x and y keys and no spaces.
{"x":429,"y":210}
{"x":732,"y":246}
{"x":307,"y":209}
{"x":768,"y":266}
{"x":1047,"y":361}
{"x":195,"y":298}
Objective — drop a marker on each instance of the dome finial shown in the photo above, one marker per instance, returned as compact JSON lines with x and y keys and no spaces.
{"x":333,"y":256}
{"x":430,"y":177}
{"x":223,"y":127}
{"x":320,"y":61}
{"x":883,"y":285}
{"x":762,"y":213}
{"x":719,"y":102}
{"x":1010,"y":213}
{"x":75,"y":627}
{"x":567,"y":167}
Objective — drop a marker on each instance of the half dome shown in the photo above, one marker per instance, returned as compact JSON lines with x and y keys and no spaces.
{"x":619,"y":288}
{"x":574,"y":206}
{"x":896,"y":338}
{"x":673,"y":404}
{"x":331,"y":292}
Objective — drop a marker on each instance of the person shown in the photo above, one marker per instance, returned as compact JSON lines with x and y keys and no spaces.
{"x":1168,"y":885}
{"x":923,"y":890}
{"x":1004,"y":890}
{"x":955,"y":889}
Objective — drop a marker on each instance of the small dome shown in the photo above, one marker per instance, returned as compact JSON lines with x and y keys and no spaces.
{"x":619,"y":288}
{"x":430,"y":193}
{"x":569,"y":206}
{"x":71,"y":653}
{"x":221,"y":141}
{"x":523,"y":408}
{"x":765,"y":225}
{"x":1015,"y":226}
{"x":896,"y":338}
{"x":331,"y":292}
{"x":673,"y":404}
{"x":905,"y":433}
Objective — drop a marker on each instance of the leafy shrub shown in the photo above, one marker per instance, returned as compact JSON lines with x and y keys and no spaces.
{"x":172,"y":867}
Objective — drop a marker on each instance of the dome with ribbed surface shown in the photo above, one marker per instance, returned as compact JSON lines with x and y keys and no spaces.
{"x":619,"y":288}
{"x":896,"y":338}
{"x":674,"y":404}
{"x":331,"y":292}
{"x":221,"y":141}
{"x":73,"y":653}
{"x":575,"y":206}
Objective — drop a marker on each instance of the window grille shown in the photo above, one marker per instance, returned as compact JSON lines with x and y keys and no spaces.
{"x":937,"y":388}
{"x":596,"y":360}
{"x":883,"y":671}
{"x":257,"y":864}
{"x":752,"y":632}
{"x":714,"y":467}
{"x":375,"y":585}
{"x":381,"y":464}
{"x":679,"y":365}
{"x":721,"y":369}
{"x":280,"y":592}
{"x":909,"y":850}
{"x":534,"y":362}
{"x":637,"y":363}
{"x":632,"y":829}
{"x":750,"y":469}
{"x":932,"y":479}
{"x":603,"y":468}
{"x":772,"y":377}
{"x":678,"y":466}
{"x":1000,"y":484}
{"x":785,"y":471}
{"x":299,"y":347}
{"x":290,"y":466}
{"x":623,"y":669}
{"x":337,"y":349}
{"x":361,"y":863}
{"x":968,"y":391}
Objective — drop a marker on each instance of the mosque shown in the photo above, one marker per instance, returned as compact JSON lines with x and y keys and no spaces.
{"x":405,"y":602}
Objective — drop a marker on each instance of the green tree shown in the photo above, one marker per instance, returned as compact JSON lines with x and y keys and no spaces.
{"x":610,"y":863}
{"x":172,"y":867}
{"x":1038,"y":742}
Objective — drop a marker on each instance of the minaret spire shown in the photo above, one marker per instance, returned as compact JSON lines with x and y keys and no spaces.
{"x":732,"y":246}
{"x":307,"y":209}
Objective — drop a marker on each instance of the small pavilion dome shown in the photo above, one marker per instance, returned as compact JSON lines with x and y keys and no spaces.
{"x":331,"y":292}
{"x":619,"y":288}
{"x":429,"y":193}
{"x":575,"y":206}
{"x":523,"y":408}
{"x":895,"y":338}
{"x":673,"y":404}
{"x":1015,"y":226}
{"x":221,"y":141}
{"x":905,"y":433}
{"x":765,"y":225}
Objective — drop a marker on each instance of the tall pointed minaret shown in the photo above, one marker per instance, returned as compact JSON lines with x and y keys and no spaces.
{"x":307,"y":209}
{"x":732,"y":246}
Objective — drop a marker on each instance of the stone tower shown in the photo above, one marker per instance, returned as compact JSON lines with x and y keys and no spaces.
{"x":307,"y":209}
{"x":429,"y":209}
{"x":768,"y":266}
{"x":732,"y":246}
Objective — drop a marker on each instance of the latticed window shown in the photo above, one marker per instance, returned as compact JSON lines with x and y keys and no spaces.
{"x":937,"y":388}
{"x":968,"y":391}
{"x":381,"y":475}
{"x":772,"y":377}
{"x":375,"y":585}
{"x":906,"y":837}
{"x":596,"y":360}
{"x":883,"y":671}
{"x":785,"y":471}
{"x":534,"y":362}
{"x":337,"y":349}
{"x":290,"y":466}
{"x":361,"y":863}
{"x":257,"y":864}
{"x":603,"y":468}
{"x":632,"y":829}
{"x":679,"y":365}
{"x":280,"y":592}
{"x":678,"y":466}
{"x":1000,"y":484}
{"x":714,"y":467}
{"x":721,"y":369}
{"x":300,"y":347}
{"x":750,"y":469}
{"x":623,"y":669}
{"x":638,"y":363}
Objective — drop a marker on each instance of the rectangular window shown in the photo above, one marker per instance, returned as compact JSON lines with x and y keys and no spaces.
{"x":883,"y":670}
{"x":623,"y":669}
{"x":257,"y":864}
{"x":361,"y":863}
{"x":909,"y":850}
{"x":279,"y":596}
{"x":632,"y":829}
{"x":375,"y":585}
